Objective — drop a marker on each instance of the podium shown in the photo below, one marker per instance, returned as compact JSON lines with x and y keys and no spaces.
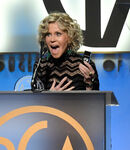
{"x":76,"y":120}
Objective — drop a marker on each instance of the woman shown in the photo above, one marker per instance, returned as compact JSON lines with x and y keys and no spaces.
{"x":63,"y":68}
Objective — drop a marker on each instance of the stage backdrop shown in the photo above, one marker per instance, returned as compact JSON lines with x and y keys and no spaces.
{"x":105,"y":25}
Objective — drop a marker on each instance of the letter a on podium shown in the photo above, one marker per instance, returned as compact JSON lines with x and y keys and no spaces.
{"x":67,"y":144}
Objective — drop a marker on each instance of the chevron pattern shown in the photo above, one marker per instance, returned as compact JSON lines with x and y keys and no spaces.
{"x":66,"y":66}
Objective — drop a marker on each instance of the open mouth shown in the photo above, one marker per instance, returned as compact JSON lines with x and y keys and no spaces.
{"x":55,"y":47}
{"x":55,"y":50}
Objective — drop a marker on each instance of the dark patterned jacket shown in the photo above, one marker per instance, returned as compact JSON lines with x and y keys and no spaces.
{"x":67,"y":65}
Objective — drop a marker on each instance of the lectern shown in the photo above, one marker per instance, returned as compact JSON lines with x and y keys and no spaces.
{"x":76,"y":120}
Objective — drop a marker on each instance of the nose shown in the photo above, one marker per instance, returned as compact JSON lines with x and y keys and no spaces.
{"x":53,"y":39}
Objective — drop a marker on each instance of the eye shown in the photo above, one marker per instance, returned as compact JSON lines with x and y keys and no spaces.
{"x":48,"y":34}
{"x":58,"y":33}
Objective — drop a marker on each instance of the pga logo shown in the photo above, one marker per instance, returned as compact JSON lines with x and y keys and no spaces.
{"x":43,"y":125}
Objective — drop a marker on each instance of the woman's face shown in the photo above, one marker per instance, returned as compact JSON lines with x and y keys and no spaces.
{"x":56,"y":40}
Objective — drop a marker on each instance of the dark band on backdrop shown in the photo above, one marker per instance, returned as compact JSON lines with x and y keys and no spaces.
{"x":25,"y":62}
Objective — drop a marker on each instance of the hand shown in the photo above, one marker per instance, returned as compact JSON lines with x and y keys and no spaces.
{"x":88,"y":72}
{"x":60,"y":86}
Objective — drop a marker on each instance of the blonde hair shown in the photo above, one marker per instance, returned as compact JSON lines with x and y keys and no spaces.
{"x":66,"y":24}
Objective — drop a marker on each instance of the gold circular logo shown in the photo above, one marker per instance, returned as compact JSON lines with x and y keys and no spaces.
{"x":41,"y":125}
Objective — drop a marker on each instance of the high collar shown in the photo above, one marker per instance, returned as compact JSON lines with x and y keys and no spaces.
{"x":61,"y":59}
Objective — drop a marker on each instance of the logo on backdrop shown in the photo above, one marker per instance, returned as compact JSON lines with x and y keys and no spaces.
{"x":43,"y":125}
{"x":92,"y":34}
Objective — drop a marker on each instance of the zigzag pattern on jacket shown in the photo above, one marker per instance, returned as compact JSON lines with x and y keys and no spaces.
{"x":59,"y":70}
{"x":65,"y":66}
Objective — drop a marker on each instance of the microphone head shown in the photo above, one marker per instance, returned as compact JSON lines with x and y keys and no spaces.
{"x":42,"y":44}
{"x":43,"y":48}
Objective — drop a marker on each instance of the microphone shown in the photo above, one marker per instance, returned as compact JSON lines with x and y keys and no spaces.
{"x":43,"y":49}
{"x":87,"y":56}
{"x":36,"y":83}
